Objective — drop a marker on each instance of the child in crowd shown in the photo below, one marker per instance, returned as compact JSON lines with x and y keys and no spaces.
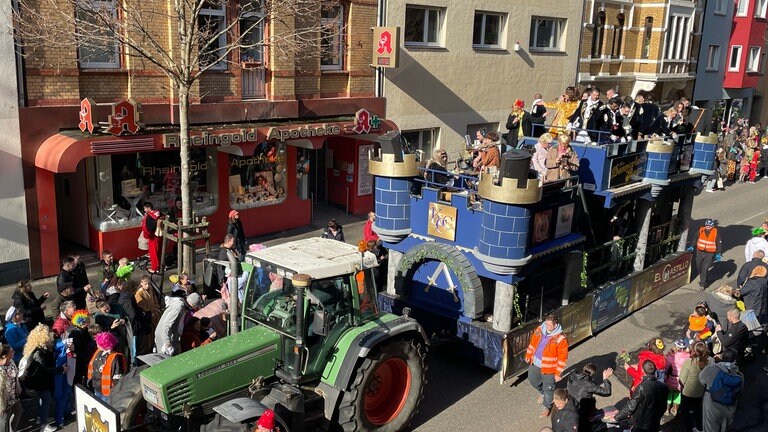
{"x":701,"y":325}
{"x":654,"y":352}
{"x":124,"y":269}
{"x":675,"y":359}
{"x":106,"y":366}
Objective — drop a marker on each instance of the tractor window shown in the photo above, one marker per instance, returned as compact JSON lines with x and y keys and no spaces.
{"x":271,"y":301}
{"x":366,"y":290}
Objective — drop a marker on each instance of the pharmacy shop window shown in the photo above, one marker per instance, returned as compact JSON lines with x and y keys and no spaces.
{"x":258,"y":180}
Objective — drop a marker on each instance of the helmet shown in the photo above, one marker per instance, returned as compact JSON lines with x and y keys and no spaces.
{"x":709,"y":223}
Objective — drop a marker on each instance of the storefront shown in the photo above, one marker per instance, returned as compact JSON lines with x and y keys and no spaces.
{"x":90,"y":187}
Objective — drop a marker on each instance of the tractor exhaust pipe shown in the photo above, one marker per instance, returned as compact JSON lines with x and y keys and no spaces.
{"x":300,"y":282}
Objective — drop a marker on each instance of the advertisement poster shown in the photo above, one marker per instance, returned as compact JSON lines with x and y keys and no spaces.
{"x":564,"y":220}
{"x":541,"y":224}
{"x":94,"y":415}
{"x":659,"y":280}
{"x":364,"y":178}
{"x":610,"y":305}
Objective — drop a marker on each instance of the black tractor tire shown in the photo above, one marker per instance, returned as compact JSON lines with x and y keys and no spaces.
{"x":386,"y":389}
{"x":221,"y":424}
{"x":127,"y":399}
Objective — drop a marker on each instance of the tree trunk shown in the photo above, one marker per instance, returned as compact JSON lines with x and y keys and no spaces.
{"x":188,"y":252}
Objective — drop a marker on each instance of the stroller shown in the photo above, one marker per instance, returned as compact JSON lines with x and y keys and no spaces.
{"x":756,"y":333}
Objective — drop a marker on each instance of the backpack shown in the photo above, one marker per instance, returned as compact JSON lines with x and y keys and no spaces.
{"x":725,"y":388}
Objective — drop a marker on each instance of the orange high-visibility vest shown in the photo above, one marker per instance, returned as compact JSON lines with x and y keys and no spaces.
{"x":706,"y":242}
{"x":106,"y":373}
{"x":555,"y":354}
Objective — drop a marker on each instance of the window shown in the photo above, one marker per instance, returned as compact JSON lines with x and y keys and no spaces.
{"x":598,"y":34}
{"x":252,"y":33}
{"x":332,"y":42}
{"x":713,"y":58}
{"x":547,"y":34}
{"x":718,"y":7}
{"x":741,"y":9}
{"x":647,"y":32}
{"x":733,"y":63}
{"x":97,"y":47}
{"x":760,"y":8}
{"x":118,"y":183}
{"x":488,"y":29}
{"x":753,"y":61}
{"x":259,"y":180}
{"x":678,"y":38}
{"x":213,"y":34}
{"x":423,"y":140}
{"x":618,"y":36}
{"x":423,"y":26}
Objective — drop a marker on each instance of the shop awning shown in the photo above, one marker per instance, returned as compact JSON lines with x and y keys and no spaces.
{"x":61,"y":153}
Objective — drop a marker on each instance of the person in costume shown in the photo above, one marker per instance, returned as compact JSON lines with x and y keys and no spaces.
{"x":106,"y":367}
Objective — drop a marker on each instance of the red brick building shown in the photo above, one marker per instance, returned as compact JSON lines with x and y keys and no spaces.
{"x":271,"y":135}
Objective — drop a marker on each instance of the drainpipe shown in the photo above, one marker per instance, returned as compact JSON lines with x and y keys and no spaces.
{"x":20,"y":84}
{"x":381,"y":21}
{"x":581,"y":40}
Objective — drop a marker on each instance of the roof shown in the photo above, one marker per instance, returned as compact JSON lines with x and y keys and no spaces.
{"x":318,"y":257}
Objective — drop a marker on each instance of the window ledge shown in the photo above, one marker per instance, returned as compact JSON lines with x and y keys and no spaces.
{"x":426,"y":48}
{"x":557,"y":51}
{"x":710,"y":70}
{"x":219,"y":71}
{"x":482,"y":48}
{"x":96,"y":70}
{"x":334,"y":72}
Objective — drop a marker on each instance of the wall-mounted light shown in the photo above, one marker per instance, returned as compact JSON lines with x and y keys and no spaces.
{"x":516,"y":47}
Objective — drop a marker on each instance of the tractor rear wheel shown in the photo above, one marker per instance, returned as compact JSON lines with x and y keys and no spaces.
{"x":386,"y":389}
{"x":127,"y":399}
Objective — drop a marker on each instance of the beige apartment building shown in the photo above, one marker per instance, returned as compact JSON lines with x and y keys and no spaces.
{"x":633,"y":45}
{"x":462,"y":64}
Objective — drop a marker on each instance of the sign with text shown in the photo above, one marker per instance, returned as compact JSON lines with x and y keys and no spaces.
{"x":626,"y":169}
{"x":442,"y":221}
{"x":386,"y":46}
{"x":610,"y":305}
{"x":125,"y":118}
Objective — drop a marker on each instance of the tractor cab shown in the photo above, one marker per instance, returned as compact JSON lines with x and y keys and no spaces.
{"x":340,"y":294}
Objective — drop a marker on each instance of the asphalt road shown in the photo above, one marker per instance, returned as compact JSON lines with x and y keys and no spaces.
{"x":461,"y":396}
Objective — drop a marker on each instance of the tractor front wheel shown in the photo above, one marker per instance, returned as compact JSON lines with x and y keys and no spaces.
{"x":386,"y":389}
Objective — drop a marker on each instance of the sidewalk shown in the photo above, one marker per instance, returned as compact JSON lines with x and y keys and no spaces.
{"x":353,"y":231}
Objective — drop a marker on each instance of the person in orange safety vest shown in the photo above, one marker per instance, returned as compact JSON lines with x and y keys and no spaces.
{"x":708,"y":246}
{"x":546,"y":356}
{"x":106,"y":366}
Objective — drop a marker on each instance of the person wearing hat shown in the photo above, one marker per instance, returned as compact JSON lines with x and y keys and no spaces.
{"x":676,"y":357}
{"x":756,"y":243}
{"x":148,"y":227}
{"x":171,"y":324}
{"x":266,"y":422}
{"x":16,"y":332}
{"x":514,"y":121}
{"x":709,"y":246}
{"x":720,"y":409}
{"x":235,"y":227}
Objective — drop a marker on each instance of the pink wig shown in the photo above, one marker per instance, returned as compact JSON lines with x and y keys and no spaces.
{"x":106,"y":341}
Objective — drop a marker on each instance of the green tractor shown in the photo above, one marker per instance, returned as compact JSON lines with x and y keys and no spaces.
{"x":313,"y":347}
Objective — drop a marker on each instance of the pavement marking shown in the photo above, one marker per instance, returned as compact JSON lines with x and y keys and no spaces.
{"x":751,"y":217}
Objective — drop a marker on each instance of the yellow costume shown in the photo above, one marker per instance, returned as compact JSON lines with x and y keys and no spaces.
{"x":563,"y":110}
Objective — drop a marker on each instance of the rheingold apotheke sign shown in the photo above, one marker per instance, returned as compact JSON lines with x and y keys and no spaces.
{"x":209,"y":139}
{"x":250,"y":135}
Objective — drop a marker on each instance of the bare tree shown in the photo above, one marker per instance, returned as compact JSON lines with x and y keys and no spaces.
{"x":51,"y":31}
